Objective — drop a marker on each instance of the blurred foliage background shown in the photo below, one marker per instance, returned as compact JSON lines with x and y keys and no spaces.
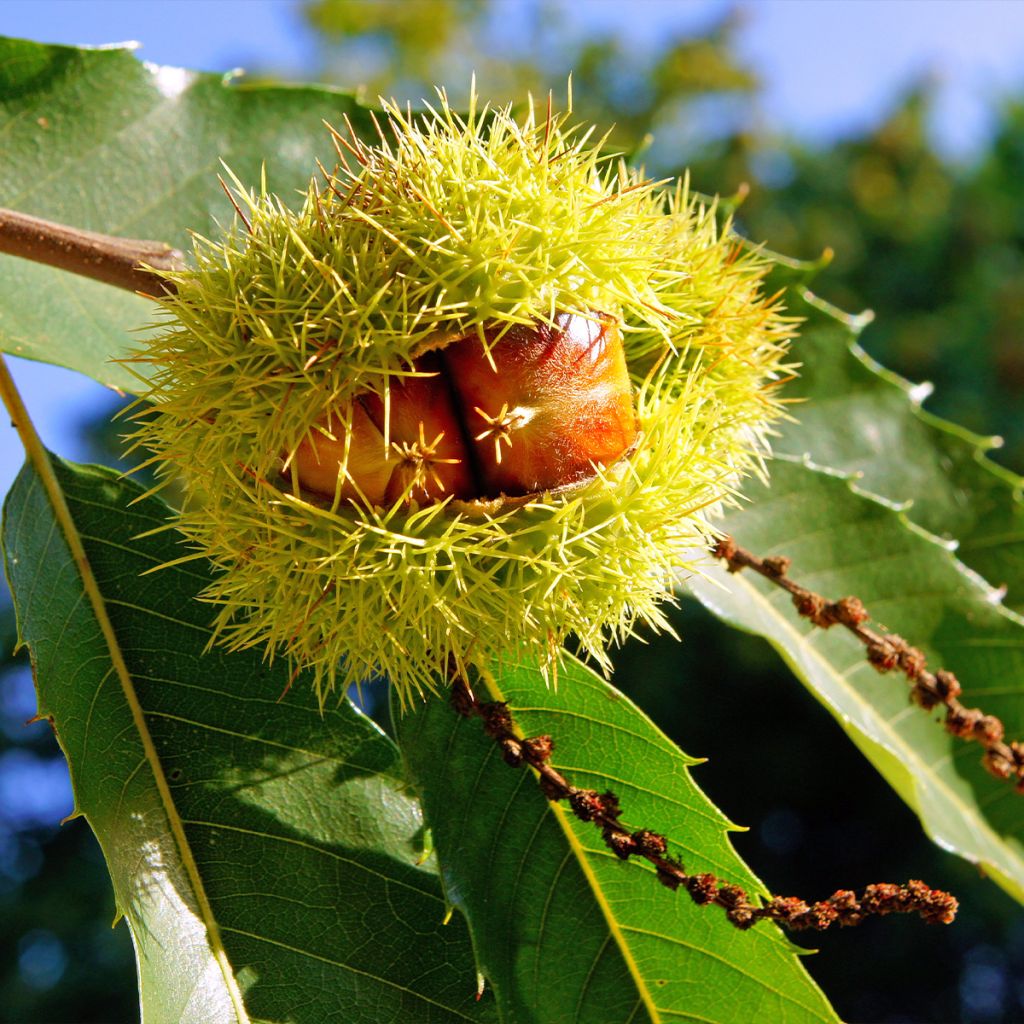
{"x":934,"y":249}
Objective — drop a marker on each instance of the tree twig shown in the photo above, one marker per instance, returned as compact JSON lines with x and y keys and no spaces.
{"x":887,"y":651}
{"x":843,"y":907}
{"x":112,"y":260}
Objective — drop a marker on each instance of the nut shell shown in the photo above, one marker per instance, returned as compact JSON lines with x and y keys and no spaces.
{"x":459,"y":292}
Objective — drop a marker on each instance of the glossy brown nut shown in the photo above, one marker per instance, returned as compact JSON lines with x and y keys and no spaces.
{"x":538,"y":411}
{"x":318,"y":459}
{"x":428,"y":451}
{"x":550,"y":403}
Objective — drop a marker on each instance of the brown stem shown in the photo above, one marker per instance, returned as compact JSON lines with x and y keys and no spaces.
{"x":117,"y":261}
{"x":887,"y":651}
{"x":843,"y":907}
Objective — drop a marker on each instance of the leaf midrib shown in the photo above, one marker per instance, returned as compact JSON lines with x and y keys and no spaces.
{"x":616,"y":931}
{"x":495,"y":692}
{"x":41,"y":462}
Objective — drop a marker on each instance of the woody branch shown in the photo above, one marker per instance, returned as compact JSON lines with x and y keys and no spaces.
{"x":121,"y":262}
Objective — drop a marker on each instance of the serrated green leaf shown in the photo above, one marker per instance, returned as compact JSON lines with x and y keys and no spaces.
{"x":842,"y":541}
{"x":563,"y":929}
{"x":99,"y":140}
{"x":857,"y":417}
{"x":264,"y":855}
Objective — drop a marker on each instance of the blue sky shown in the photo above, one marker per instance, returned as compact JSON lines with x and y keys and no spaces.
{"x":829,"y":68}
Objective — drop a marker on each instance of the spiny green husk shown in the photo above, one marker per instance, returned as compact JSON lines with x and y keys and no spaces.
{"x":448,"y":226}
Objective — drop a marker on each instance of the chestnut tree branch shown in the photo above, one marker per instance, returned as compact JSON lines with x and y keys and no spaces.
{"x":121,"y":262}
{"x":887,"y":651}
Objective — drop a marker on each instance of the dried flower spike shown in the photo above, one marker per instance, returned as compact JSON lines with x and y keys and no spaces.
{"x":483,"y":389}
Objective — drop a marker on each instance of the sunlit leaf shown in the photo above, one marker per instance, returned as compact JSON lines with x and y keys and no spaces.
{"x":99,"y":140}
{"x":855,"y":416}
{"x":845,"y":542}
{"x":266,"y":856}
{"x":563,"y":929}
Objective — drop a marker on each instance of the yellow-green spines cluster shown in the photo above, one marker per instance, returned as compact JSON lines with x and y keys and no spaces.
{"x":444,"y":228}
